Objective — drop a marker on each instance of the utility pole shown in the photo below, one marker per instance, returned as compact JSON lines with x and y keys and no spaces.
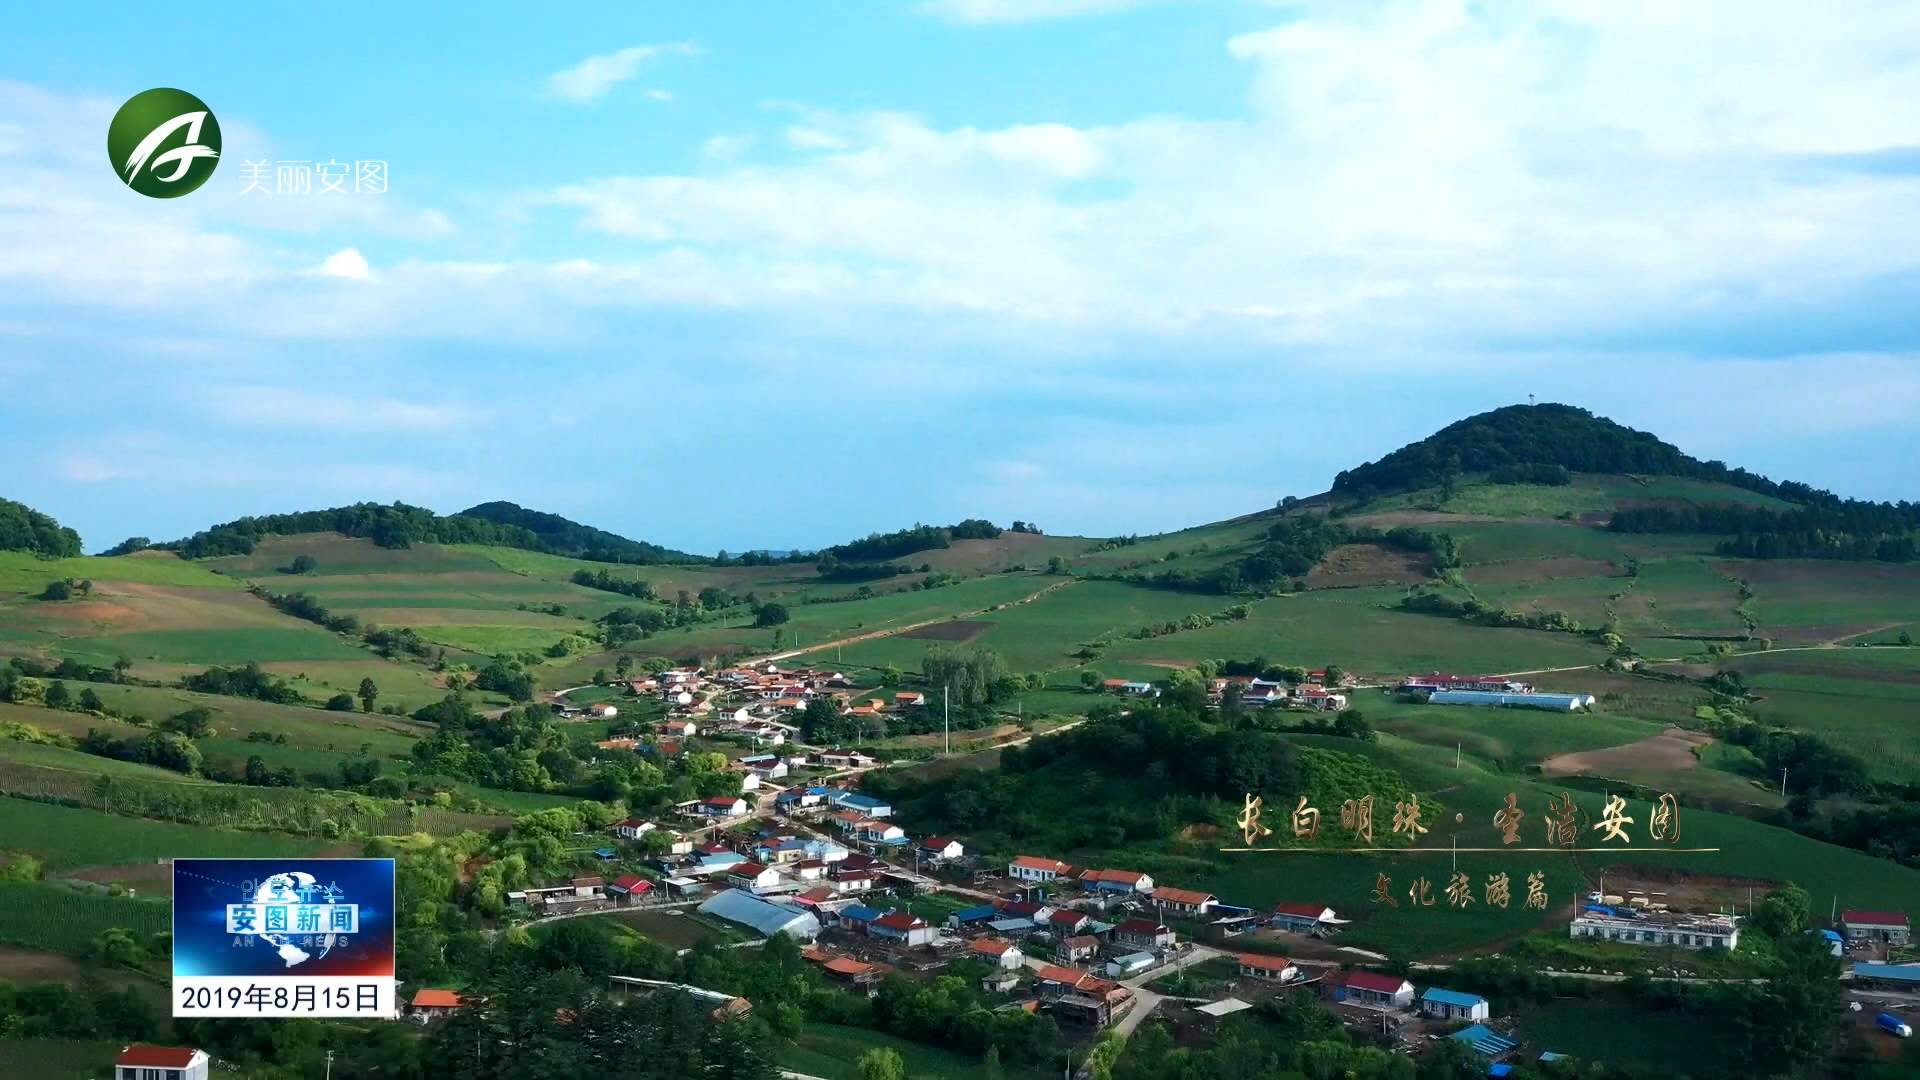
{"x":1783,"y":783}
{"x":1456,"y":755}
{"x":329,"y":1065}
{"x":946,"y":713}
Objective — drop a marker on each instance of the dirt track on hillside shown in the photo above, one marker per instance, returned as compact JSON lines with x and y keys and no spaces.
{"x":895,"y":631}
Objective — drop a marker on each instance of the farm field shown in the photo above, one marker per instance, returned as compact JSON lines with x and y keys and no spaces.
{"x":681,"y":931}
{"x":1042,"y":635}
{"x":1624,"y":1034}
{"x":58,"y":919}
{"x":833,"y":1051}
{"x":812,"y":624}
{"x":80,"y":765}
{"x":60,"y":1057}
{"x":1511,"y":737}
{"x":1351,"y":627}
{"x":67,"y":837}
{"x":21,"y":572}
{"x":1233,"y":537}
{"x":1865,"y":700}
{"x":1494,"y":541}
{"x":305,"y":729}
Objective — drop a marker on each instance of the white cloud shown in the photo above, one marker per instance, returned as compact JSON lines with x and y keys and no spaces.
{"x":346,"y":263}
{"x":1011,"y":11}
{"x":657,"y":94}
{"x":287,"y":407}
{"x":590,"y":79}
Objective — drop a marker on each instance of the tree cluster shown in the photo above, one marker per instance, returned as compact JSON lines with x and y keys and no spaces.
{"x":23,"y":528}
{"x":1541,"y":435}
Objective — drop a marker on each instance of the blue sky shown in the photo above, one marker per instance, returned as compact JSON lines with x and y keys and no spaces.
{"x":777,"y":275}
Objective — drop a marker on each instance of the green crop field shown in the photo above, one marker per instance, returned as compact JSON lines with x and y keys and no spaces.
{"x":65,"y":920}
{"x":1865,"y":700}
{"x":1351,"y":627}
{"x":66,"y":836}
{"x":21,"y":572}
{"x":61,"y":1058}
{"x":239,"y":717}
{"x":236,"y":646}
{"x":833,"y":1051}
{"x":1627,"y":1035}
{"x":1513,"y":737}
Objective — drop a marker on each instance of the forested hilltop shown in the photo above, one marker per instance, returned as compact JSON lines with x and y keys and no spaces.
{"x":568,"y":537}
{"x":1522,"y":439}
{"x":23,"y":528}
{"x":1548,"y":444}
{"x":400,"y":526}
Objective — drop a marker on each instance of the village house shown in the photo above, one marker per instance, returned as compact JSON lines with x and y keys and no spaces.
{"x":1262,"y":693}
{"x":1080,"y":995}
{"x":1035,"y":868}
{"x":633,"y":828}
{"x":940,"y":848}
{"x":858,"y":918}
{"x":1078,"y":948}
{"x":909,"y":699}
{"x":800,"y":798}
{"x":1120,"y":881}
{"x":629,"y":889}
{"x":1876,"y":927}
{"x":754,"y":876}
{"x":1453,"y":1005}
{"x":1173,"y":901}
{"x":1268,"y":968}
{"x":1144,"y":933}
{"x":809,"y":870}
{"x":1362,"y":987}
{"x":678,"y":729}
{"x":430,"y":1005}
{"x":1303,"y":918}
{"x":603,"y":711}
{"x":1318,"y":676}
{"x":1313,"y":697}
{"x":866,"y":805}
{"x":586,"y":887}
{"x":624,"y":742}
{"x":723,"y":806}
{"x":998,"y":952}
{"x":875,"y":831}
{"x":853,"y":881}
{"x":846,"y":759}
{"x":777,"y":850}
{"x":145,"y":1062}
{"x":902,"y":926}
{"x":766,"y":766}
{"x":1067,"y":921}
{"x":1132,"y":963}
{"x":855,"y":973}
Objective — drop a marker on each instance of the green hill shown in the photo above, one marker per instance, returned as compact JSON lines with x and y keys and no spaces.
{"x":1541,"y":444}
{"x":565,"y":537}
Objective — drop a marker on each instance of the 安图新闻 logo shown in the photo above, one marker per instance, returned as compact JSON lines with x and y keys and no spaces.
{"x":164,"y":143}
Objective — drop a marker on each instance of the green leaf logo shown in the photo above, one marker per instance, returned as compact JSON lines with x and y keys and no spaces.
{"x":164,"y":143}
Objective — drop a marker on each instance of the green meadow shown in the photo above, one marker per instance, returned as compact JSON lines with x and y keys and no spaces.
{"x":21,"y":572}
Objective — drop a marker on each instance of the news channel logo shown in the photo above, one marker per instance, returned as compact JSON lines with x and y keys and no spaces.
{"x":164,"y":143}
{"x":283,"y":937}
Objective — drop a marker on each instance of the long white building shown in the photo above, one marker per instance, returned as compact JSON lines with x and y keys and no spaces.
{"x":1657,"y":928}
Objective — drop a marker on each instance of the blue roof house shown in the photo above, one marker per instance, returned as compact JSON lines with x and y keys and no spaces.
{"x":1453,"y":1005}
{"x":866,"y":804}
{"x":1485,"y":1041}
